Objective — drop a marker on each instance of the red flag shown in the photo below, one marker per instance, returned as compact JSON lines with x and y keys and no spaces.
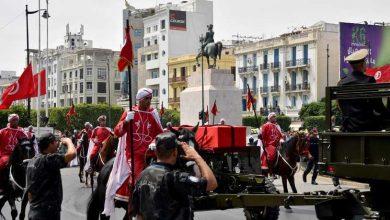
{"x":206,"y":114}
{"x":214,"y":109}
{"x":381,"y":74}
{"x":71,"y":112}
{"x":162,"y":109}
{"x":126,"y":56}
{"x":21,"y":89}
{"x":249,"y":99}
{"x":43,"y":83}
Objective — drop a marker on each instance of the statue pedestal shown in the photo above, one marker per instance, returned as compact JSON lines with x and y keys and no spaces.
{"x":219,"y":86}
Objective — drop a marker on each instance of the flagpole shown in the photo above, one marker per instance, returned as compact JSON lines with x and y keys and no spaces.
{"x":131,"y":122}
{"x":28,"y":62}
{"x":39,"y":68}
{"x":253,"y":108}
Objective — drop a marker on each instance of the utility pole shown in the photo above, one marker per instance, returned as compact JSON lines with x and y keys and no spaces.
{"x":109,"y":90}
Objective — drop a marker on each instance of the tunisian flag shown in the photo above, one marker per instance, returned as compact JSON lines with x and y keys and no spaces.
{"x":71,"y":112}
{"x":381,"y":74}
{"x":43,"y":83}
{"x":126,"y":56}
{"x":21,"y":89}
{"x":214,"y":109}
{"x":249,"y":99}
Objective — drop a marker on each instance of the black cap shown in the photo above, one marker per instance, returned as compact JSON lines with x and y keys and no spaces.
{"x":167,"y":140}
{"x":46,"y":139}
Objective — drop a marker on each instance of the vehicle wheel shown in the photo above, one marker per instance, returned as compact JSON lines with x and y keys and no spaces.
{"x":267,"y":212}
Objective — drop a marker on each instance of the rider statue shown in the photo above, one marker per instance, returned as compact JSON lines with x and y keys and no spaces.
{"x":209,"y":36}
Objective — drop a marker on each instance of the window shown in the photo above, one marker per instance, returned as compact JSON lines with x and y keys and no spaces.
{"x":254,"y":83}
{"x":89,"y":71}
{"x":137,"y":46}
{"x":162,"y":24}
{"x":245,"y":60}
{"x":265,"y":59}
{"x":294,"y":56}
{"x":89,"y":100}
{"x":175,"y":93}
{"x":101,"y":87}
{"x":149,"y":57}
{"x":55,"y":94}
{"x":245,"y":81}
{"x":294,"y":79}
{"x":276,"y":58}
{"x":64,"y":75}
{"x":163,"y":52}
{"x":183,"y":72}
{"x":75,"y":86}
{"x":101,"y":99}
{"x":148,"y":43}
{"x":305,"y":76}
{"x":305,"y":53}
{"x":265,"y":80}
{"x":254,"y":59}
{"x":143,"y":59}
{"x":163,"y":91}
{"x":81,"y":99}
{"x":89,"y":85}
{"x":75,"y":73}
{"x":155,"y":92}
{"x":81,"y":73}
{"x":101,"y":73}
{"x":193,"y":68}
{"x":293,"y":101}
{"x":117,"y":86}
{"x":81,"y":87}
{"x":155,"y":28}
{"x":276,"y":79}
{"x":155,"y":56}
{"x":137,"y":32}
{"x":305,"y":99}
{"x":55,"y":68}
{"x":163,"y":37}
{"x":163,"y":72}
{"x":70,"y":74}
{"x":154,"y":74}
{"x":148,"y":29}
{"x":174,"y":73}
{"x":155,"y":41}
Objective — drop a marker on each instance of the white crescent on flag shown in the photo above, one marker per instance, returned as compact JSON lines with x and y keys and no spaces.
{"x":15,"y":88}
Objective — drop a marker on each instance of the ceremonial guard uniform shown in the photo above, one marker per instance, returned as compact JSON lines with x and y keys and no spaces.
{"x":271,"y":134}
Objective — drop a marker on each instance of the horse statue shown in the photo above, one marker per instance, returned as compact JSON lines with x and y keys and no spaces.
{"x":15,"y":178}
{"x":82,"y":153}
{"x":287,"y":159}
{"x":106,"y":153}
{"x":211,"y":50}
{"x":96,"y":202}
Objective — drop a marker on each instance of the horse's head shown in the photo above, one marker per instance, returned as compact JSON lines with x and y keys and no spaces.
{"x":23,"y":151}
{"x":184,"y":134}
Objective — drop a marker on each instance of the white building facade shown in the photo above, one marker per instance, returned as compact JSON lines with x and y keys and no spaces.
{"x":172,"y":31}
{"x":78,"y":73}
{"x":289,"y":71}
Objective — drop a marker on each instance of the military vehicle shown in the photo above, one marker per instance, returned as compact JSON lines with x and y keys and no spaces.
{"x":362,"y":157}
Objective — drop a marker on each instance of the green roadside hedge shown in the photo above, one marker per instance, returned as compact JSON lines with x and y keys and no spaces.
{"x":311,"y":122}
{"x":283,"y":121}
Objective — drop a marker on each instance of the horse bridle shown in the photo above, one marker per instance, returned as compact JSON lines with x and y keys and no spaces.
{"x":11,"y":176}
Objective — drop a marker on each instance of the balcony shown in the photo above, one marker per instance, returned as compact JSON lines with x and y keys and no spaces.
{"x":275,"y":67}
{"x":264,"y":90}
{"x":248,"y":69}
{"x":177,"y":79}
{"x":264,"y":66}
{"x":298,"y":87}
{"x":304,"y":62}
{"x":275,"y":88}
{"x":174,"y":100}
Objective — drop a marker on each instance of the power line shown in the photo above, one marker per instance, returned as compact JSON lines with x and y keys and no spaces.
{"x":11,"y":21}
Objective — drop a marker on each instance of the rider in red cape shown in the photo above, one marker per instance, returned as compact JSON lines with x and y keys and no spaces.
{"x":99,"y":134}
{"x":271,"y":134}
{"x":146,"y":126}
{"x":9,"y":138}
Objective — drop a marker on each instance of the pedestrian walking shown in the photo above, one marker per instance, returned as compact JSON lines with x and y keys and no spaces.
{"x":313,"y":155}
{"x":44,"y":184}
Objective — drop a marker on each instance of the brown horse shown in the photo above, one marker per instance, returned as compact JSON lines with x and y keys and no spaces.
{"x":106,"y":152}
{"x":286,"y":164}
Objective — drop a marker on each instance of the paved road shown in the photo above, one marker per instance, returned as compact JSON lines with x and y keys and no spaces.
{"x":76,"y":198}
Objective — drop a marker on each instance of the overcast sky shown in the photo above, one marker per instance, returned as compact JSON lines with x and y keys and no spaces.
{"x":102,"y":20}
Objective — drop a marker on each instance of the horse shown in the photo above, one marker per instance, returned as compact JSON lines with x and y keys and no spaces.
{"x":15,"y":178}
{"x":96,"y":202}
{"x":82,"y":156}
{"x":287,"y":159}
{"x":212,"y":50}
{"x":106,"y":153}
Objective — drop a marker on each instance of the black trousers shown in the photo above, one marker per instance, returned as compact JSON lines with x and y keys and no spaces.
{"x":310,"y":164}
{"x":44,"y":215}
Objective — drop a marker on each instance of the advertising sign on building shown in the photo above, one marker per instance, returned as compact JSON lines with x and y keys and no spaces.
{"x":354,"y":37}
{"x":178,"y":20}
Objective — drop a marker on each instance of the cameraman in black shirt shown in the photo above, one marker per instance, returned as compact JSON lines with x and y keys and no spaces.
{"x":44,"y":184}
{"x":164,"y":193}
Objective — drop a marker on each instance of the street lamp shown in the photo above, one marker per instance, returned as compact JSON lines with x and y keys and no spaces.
{"x":47,"y":16}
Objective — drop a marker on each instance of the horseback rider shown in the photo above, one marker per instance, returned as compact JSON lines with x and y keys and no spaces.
{"x":88,"y":131}
{"x":271,"y":134}
{"x":9,"y":138}
{"x":209,"y":36}
{"x":146,"y":126}
{"x":99,"y":134}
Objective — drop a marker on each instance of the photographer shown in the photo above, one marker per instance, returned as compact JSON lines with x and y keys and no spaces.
{"x":44,"y":184}
{"x":164,"y":193}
